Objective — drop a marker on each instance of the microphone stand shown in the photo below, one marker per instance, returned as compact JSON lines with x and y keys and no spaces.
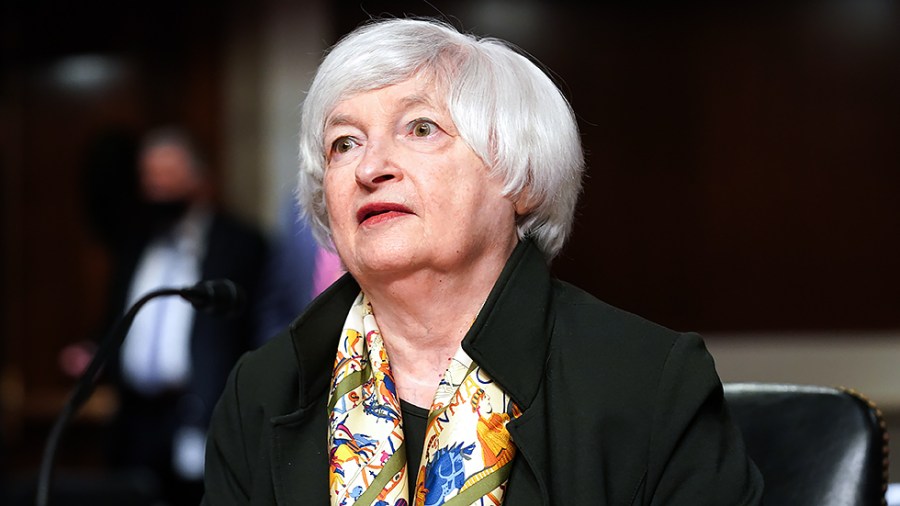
{"x":85,"y":387}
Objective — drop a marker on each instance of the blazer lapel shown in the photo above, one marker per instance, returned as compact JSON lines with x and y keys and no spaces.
{"x":300,"y":481}
{"x":304,"y":481}
{"x":510,"y":340}
{"x":527,"y":483}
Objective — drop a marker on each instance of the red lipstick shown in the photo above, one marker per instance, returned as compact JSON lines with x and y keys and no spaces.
{"x":380,"y":211}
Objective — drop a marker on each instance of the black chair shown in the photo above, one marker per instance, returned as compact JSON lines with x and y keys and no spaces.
{"x":814,"y":446}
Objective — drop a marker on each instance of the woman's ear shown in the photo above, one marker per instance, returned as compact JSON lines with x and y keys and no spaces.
{"x":523,"y":203}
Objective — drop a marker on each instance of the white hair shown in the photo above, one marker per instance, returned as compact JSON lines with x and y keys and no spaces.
{"x":505,"y":108}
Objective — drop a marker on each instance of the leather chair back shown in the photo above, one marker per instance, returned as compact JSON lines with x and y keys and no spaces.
{"x":815,"y":446}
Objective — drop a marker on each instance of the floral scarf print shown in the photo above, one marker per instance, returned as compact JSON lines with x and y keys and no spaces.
{"x":468,"y":452}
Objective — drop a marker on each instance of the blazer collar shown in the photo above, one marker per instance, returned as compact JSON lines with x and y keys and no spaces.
{"x":315,"y":335}
{"x":508,"y":339}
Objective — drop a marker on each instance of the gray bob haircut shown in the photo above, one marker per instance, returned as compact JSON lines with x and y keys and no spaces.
{"x":505,"y":108}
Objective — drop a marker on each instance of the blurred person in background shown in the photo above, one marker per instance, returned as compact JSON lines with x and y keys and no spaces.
{"x":173,"y":364}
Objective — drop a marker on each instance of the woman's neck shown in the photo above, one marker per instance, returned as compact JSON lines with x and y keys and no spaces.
{"x":423,"y":317}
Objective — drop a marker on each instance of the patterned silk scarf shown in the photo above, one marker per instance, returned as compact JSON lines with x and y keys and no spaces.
{"x":468,"y":452}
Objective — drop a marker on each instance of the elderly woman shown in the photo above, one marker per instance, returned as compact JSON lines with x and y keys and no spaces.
{"x":447,"y":366}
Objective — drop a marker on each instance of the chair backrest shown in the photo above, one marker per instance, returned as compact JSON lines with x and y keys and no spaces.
{"x":815,"y":446}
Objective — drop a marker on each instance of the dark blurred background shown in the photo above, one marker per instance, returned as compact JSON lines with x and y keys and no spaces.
{"x":743,"y":180}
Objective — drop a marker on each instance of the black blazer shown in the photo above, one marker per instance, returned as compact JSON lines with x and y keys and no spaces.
{"x":616,"y":410}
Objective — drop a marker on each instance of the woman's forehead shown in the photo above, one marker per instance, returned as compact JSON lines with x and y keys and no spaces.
{"x":416,"y":91}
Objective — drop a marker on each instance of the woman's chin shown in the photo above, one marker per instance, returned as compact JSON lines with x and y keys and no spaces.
{"x":383,"y":261}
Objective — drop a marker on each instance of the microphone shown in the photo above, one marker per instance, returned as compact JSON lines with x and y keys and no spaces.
{"x":216,"y":297}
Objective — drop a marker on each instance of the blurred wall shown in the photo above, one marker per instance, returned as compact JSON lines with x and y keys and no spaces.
{"x":268,"y":64}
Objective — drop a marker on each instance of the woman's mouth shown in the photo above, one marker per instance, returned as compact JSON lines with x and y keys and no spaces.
{"x":379,"y":212}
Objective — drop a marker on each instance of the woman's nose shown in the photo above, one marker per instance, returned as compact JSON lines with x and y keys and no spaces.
{"x":377,"y":166}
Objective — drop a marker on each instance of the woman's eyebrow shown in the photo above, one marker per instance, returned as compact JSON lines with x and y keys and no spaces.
{"x":416,"y":100}
{"x":338,"y":120}
{"x":405,"y":103}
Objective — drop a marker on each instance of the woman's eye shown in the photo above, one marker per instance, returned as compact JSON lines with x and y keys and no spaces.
{"x":423,"y":128}
{"x":342,"y":145}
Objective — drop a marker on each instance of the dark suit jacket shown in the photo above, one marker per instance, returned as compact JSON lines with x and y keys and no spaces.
{"x":616,"y":410}
{"x":234,"y":251}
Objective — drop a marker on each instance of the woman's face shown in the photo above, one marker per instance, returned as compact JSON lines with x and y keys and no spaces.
{"x":404,"y":193}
